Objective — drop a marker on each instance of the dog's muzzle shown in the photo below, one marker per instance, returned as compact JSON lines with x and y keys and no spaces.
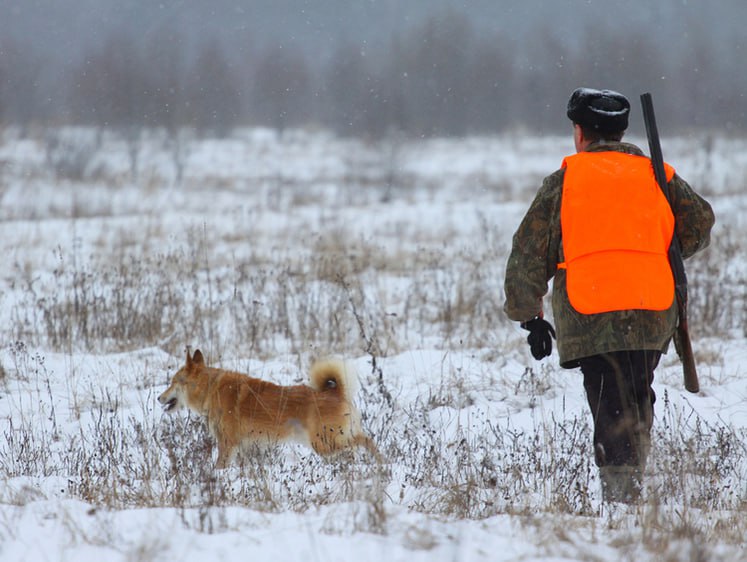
{"x":168,"y":405}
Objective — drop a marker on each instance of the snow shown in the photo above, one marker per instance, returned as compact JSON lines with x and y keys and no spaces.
{"x":488,"y":450}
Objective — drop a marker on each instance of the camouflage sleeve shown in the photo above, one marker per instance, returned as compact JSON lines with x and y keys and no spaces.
{"x":534,"y":253}
{"x":693,"y":217}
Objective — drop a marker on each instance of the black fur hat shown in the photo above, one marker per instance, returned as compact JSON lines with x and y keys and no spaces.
{"x":601,"y":110}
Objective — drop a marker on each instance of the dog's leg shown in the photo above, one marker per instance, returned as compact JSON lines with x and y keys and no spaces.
{"x":366,"y":442}
{"x":222,"y":461}
{"x":321,"y":445}
{"x":225,"y":452}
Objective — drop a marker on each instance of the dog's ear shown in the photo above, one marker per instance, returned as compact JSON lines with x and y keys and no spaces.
{"x":197,"y":358}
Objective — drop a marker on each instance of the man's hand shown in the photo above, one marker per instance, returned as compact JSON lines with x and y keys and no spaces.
{"x":541,"y":334}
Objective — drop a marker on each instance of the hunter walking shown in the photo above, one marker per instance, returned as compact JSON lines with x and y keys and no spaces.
{"x":601,"y":227}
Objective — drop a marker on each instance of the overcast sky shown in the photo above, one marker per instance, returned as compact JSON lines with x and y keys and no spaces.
{"x":66,"y":27}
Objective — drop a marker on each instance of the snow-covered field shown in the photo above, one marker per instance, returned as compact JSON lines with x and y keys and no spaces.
{"x":268,"y":252}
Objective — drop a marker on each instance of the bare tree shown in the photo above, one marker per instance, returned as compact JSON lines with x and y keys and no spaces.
{"x":492,"y":86}
{"x":170,"y":106}
{"x":434,"y":71}
{"x":442,"y":74}
{"x":348,"y":84}
{"x":111,"y":88}
{"x":165,"y":66}
{"x":20,"y":70}
{"x":281,"y":93}
{"x":213,"y":92}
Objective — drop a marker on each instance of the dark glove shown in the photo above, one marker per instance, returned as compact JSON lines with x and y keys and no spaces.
{"x":541,"y":334}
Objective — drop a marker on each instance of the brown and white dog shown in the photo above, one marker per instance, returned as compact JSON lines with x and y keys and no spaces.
{"x":242,"y":410}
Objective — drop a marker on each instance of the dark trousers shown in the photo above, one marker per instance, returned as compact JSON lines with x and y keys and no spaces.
{"x":618,"y":388}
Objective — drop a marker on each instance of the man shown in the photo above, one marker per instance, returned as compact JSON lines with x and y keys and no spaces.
{"x":601,"y":227}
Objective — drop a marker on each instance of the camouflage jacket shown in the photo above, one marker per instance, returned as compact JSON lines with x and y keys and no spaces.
{"x":537,"y":250}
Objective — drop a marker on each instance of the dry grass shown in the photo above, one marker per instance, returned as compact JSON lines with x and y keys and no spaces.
{"x":288,"y":304}
{"x":350,"y":295}
{"x":120,"y":458}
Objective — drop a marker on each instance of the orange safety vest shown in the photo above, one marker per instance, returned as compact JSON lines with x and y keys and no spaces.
{"x":616,"y":226}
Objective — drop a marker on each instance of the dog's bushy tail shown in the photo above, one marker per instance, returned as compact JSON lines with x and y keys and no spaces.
{"x":334,"y":375}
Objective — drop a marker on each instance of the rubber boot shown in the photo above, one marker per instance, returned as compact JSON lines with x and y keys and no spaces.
{"x":620,"y":484}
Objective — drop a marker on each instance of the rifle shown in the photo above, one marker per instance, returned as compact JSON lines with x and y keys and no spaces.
{"x":682,"y":334}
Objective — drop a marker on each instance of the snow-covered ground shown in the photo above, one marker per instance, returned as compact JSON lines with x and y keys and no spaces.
{"x":267,"y":252}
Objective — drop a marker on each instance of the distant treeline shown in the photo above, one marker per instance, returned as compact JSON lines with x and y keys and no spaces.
{"x":441,"y":77}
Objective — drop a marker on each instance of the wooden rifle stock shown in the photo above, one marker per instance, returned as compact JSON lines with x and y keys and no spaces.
{"x":682,"y":334}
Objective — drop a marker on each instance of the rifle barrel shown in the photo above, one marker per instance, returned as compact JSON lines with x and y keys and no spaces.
{"x":682,"y":335}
